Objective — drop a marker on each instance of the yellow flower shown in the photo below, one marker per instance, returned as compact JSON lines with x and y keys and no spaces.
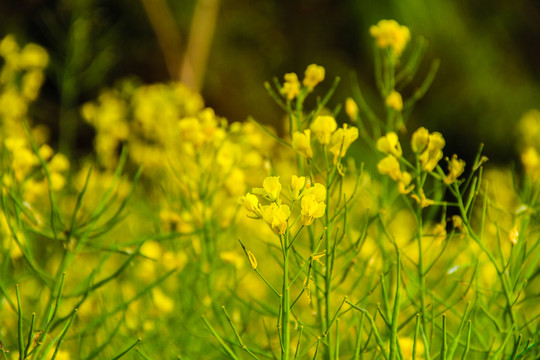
{"x":531,"y":162}
{"x":351,"y":109}
{"x":420,"y":140}
{"x":301,"y":142}
{"x":423,"y":201}
{"x":163,"y":303}
{"x":291,"y":87}
{"x":311,"y":209}
{"x":404,"y":182}
{"x":394,"y":101}
{"x":276,"y":216}
{"x":390,"y":166}
{"x":323,"y":126}
{"x":59,"y":163}
{"x":33,"y":56}
{"x":317,"y":190}
{"x":45,"y":152}
{"x":389,"y":144}
{"x":341,"y":140}
{"x":314,"y":75}
{"x":251,"y":203}
{"x":58,"y":181}
{"x":388,"y":33}
{"x":271,"y":188}
{"x":455,"y":167}
{"x":297,"y":184}
{"x":433,"y":153}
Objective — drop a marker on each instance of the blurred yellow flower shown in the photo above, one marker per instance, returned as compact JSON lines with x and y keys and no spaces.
{"x":389,"y":144}
{"x":301,"y":142}
{"x":291,"y":87}
{"x":455,"y":167}
{"x":341,"y":139}
{"x":388,"y":33}
{"x":314,"y":75}
{"x":297,"y":184}
{"x":433,"y":153}
{"x":394,"y":101}
{"x":323,"y":126}
{"x":351,"y":109}
{"x":420,"y":140}
{"x":390,"y":166}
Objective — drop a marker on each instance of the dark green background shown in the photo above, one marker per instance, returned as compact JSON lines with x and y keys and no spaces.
{"x":489,"y":52}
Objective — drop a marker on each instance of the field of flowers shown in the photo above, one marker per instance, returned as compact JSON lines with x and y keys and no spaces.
{"x":343,"y":234}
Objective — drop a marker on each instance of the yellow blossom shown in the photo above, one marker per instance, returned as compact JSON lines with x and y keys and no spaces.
{"x":45,"y":152}
{"x":276,"y":216}
{"x":455,"y":169}
{"x":388,"y":33}
{"x":394,"y":101}
{"x":251,"y":203}
{"x":301,"y":142}
{"x":420,"y":140}
{"x":341,"y":140}
{"x":318,"y":190}
{"x":58,"y":181}
{"x":314,"y":75}
{"x":404,"y":182}
{"x":351,"y":109}
{"x":163,"y":303}
{"x":531,"y":162}
{"x":422,"y":200}
{"x":291,"y":87}
{"x":297,"y":184}
{"x":323,"y":126}
{"x":433,"y":153}
{"x":390,"y":166}
{"x":389,"y":144}
{"x":59,"y":163}
{"x":311,"y":209}
{"x":271,"y":188}
{"x":33,"y":56}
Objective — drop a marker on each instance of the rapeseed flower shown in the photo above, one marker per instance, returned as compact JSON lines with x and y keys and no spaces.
{"x":430,"y":157}
{"x":314,"y":74}
{"x":388,"y":33}
{"x":455,"y":169}
{"x":351,"y":109}
{"x":270,"y":190}
{"x":323,"y":126}
{"x":301,"y":142}
{"x":394,"y":101}
{"x":311,"y":209}
{"x":297,"y":184}
{"x":389,"y":144}
{"x":390,"y":166}
{"x":276,"y":217}
{"x":291,"y":86}
{"x":341,"y":139}
{"x":420,"y":140}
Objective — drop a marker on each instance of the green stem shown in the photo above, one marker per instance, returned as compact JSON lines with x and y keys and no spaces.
{"x":285,"y":302}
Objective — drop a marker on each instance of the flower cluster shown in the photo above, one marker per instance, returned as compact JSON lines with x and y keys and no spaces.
{"x":276,"y":214}
{"x":291,"y":87}
{"x":389,"y":34}
{"x":325,"y":130}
